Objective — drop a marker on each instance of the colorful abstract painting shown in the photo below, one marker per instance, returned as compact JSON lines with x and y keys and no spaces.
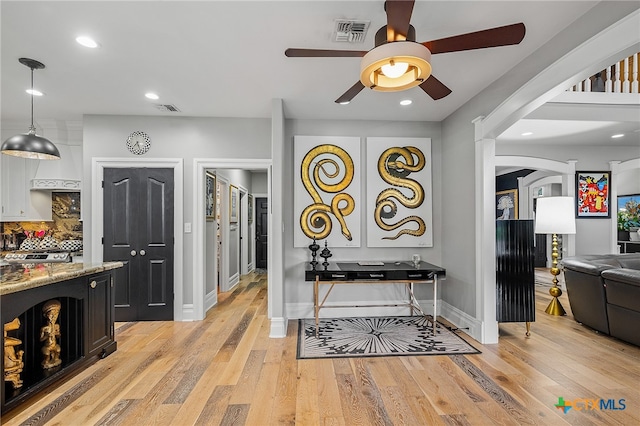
{"x":592,"y":194}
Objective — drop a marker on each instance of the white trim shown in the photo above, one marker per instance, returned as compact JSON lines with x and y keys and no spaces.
{"x":180,"y":312}
{"x":460,"y":319}
{"x":187,"y":312}
{"x":616,"y":41}
{"x":223,"y":275}
{"x":485,"y":249}
{"x":278,"y":328}
{"x":522,"y":162}
{"x":198,"y":261}
{"x":210,"y":300}
{"x":233,"y":281}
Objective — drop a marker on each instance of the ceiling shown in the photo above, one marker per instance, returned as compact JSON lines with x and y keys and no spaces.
{"x":226,"y":59}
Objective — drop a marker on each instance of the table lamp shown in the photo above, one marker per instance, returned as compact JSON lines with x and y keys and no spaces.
{"x":555,"y":215}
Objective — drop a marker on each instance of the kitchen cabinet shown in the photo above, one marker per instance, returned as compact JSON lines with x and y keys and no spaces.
{"x":18,"y":203}
{"x":14,"y":188}
{"x":84,"y":294}
{"x":100,"y":331}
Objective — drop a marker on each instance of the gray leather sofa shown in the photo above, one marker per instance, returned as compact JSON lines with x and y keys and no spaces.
{"x":604,"y":293}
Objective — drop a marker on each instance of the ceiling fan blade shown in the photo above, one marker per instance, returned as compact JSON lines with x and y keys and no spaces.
{"x":324,"y":53}
{"x":398,"y":18}
{"x":493,"y":37}
{"x":351,"y":93}
{"x":435,"y":88}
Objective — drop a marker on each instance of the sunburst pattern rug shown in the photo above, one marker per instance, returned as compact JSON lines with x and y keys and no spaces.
{"x":377,"y":336}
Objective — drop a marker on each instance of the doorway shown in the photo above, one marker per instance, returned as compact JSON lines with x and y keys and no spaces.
{"x":202,"y":300}
{"x":262,"y":232}
{"x":138,"y":231}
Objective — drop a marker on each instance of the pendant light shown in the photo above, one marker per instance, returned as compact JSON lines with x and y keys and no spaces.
{"x":30,"y":145}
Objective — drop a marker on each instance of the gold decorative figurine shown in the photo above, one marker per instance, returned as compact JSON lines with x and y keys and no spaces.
{"x":13,"y":364}
{"x":49,"y":334}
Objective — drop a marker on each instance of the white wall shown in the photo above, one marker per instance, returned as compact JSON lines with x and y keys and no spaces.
{"x":259,"y":183}
{"x":628,"y":182}
{"x":299,"y":295}
{"x":459,"y":168}
{"x":240,"y":179}
{"x":172,"y":137}
{"x":592,"y":235}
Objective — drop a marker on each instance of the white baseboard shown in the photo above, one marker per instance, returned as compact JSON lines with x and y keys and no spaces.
{"x":471,"y":326}
{"x":234,"y":280}
{"x":210,"y":300}
{"x":278,"y":328}
{"x":188,"y":312}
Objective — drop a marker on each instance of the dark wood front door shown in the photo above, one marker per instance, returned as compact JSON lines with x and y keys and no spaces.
{"x":262,"y":222}
{"x":138,"y":231}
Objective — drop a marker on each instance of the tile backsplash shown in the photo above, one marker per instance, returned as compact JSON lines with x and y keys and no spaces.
{"x":65,"y":224}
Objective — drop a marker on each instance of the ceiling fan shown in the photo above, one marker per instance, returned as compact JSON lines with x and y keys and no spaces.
{"x":398,"y":62}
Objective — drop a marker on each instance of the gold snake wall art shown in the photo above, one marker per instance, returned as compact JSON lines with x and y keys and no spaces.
{"x":394,"y":165}
{"x":315,"y":220}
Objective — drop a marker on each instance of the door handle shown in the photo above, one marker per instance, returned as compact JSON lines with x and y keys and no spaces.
{"x":133,"y":253}
{"x":142,"y":252}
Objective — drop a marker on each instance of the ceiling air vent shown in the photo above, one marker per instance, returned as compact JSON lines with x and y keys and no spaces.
{"x":350,"y":31}
{"x":167,"y":107}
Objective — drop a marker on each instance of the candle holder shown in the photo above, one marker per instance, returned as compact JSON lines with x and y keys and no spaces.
{"x":314,"y":247}
{"x":325,"y":254}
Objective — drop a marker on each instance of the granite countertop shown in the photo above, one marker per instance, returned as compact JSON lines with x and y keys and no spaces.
{"x":19,"y":277}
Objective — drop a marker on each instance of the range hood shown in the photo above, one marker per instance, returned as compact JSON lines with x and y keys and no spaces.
{"x":60,"y":175}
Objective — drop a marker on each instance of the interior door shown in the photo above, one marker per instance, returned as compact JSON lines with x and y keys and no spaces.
{"x":138,"y":231}
{"x":262,"y":226}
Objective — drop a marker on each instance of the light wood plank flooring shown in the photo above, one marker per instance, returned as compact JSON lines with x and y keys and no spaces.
{"x":226,"y":370}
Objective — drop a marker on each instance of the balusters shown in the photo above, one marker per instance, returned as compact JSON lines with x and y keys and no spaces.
{"x":617,"y":84}
{"x":608,"y":85}
{"x":621,"y":77}
{"x":625,"y":76}
{"x":634,"y":74}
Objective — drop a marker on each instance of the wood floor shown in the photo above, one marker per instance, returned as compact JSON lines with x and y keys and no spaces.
{"x":226,"y":370}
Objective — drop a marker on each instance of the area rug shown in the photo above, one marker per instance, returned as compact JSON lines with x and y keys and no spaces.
{"x":377,"y":336}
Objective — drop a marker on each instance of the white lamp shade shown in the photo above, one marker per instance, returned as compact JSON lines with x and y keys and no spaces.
{"x":555,"y":215}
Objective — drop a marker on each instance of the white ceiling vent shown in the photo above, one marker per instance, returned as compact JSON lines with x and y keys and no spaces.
{"x":167,"y":107}
{"x":350,"y":31}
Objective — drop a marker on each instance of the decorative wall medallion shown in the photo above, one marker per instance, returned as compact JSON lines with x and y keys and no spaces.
{"x":138,"y":142}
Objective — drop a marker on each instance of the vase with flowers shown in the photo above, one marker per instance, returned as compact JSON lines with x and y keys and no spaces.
{"x":629,"y":221}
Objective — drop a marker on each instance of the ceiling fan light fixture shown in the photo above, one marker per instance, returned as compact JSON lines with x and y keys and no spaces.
{"x":30,"y":145}
{"x":396,"y":66}
{"x":394,"y":69}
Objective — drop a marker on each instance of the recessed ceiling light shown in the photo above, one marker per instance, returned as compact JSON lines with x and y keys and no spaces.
{"x":87,"y":42}
{"x":345,"y":103}
{"x":34,"y":92}
{"x":527,"y":133}
{"x":152,"y":96}
{"x":406,"y":102}
{"x":619,"y":135}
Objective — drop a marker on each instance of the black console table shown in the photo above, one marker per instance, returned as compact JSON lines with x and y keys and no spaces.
{"x":358,"y":273}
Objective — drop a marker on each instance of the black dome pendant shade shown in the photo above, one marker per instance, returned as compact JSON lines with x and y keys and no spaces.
{"x":30,"y":145}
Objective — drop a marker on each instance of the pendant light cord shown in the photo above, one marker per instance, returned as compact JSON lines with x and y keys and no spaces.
{"x":33,"y":129}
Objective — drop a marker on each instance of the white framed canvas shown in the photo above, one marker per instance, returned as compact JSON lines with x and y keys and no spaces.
{"x":327,"y":194}
{"x":399,"y":205}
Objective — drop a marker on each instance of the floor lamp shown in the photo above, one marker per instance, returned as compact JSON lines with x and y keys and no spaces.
{"x":555,"y":215}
